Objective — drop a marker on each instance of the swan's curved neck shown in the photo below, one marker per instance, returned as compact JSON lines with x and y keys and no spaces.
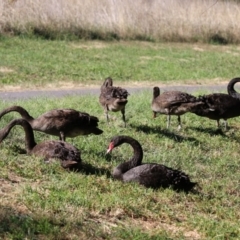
{"x":230,"y":88}
{"x":156,"y":92}
{"x":135,"y":161}
{"x":108,"y":82}
{"x":29,"y":136}
{"x":24,"y":114}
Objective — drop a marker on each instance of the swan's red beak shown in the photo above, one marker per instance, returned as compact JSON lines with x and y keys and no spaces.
{"x":110,"y":147}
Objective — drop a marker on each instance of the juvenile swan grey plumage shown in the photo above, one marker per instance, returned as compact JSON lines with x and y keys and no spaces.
{"x":150,"y":175}
{"x":113,"y":98}
{"x":173,"y":103}
{"x":60,"y":122}
{"x":68,"y":155}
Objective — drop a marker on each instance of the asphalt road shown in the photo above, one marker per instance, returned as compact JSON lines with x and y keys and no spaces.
{"x":28,"y":94}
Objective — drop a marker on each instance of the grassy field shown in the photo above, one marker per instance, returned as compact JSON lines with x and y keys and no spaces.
{"x":32,"y":63}
{"x":155,"y":20}
{"x":43,"y":201}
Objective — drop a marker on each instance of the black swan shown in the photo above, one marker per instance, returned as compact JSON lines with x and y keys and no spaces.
{"x":113,"y":98}
{"x":60,"y":122}
{"x":68,"y":155}
{"x":173,"y":103}
{"x":151,"y":175}
{"x":218,"y":106}
{"x":230,"y":88}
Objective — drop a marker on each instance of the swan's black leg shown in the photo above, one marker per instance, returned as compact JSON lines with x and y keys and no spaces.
{"x":123,"y":116}
{"x":179,"y":122}
{"x":62,"y":136}
{"x":106,"y":113}
{"x":168,"y":121}
{"x":225,"y":124}
{"x":107,"y":117}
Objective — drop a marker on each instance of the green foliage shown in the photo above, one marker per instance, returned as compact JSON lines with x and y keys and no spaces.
{"x":44,"y":201}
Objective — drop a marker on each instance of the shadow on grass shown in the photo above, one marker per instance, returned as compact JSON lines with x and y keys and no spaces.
{"x":211,"y":131}
{"x":230,"y":133}
{"x":16,"y":224}
{"x":20,"y":225}
{"x":164,"y":132}
{"x":88,"y":169}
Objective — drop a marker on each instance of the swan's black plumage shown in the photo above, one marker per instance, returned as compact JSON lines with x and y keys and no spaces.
{"x":151,"y":175}
{"x":218,"y":106}
{"x":68,"y":155}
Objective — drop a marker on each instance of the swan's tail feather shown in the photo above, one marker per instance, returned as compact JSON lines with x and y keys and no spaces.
{"x":180,"y":181}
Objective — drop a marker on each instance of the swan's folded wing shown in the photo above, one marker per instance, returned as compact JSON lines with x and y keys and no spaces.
{"x":155,"y":176}
{"x":65,"y":152}
{"x":149,"y":175}
{"x":60,"y":117}
{"x":61,"y":113}
{"x":171,"y":98}
{"x":220,"y":104}
{"x":161,"y":176}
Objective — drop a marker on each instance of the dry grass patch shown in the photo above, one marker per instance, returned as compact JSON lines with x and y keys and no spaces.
{"x":11,"y":190}
{"x":90,"y":45}
{"x":153,"y":227}
{"x":6,"y":70}
{"x":171,"y":20}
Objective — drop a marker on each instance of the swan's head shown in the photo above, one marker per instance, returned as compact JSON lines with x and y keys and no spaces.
{"x":119,"y":93}
{"x":110,"y":147}
{"x":114,"y":142}
{"x":118,"y":140}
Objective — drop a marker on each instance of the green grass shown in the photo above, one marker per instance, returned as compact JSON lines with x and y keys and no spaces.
{"x":44,"y":201}
{"x":39,"y":63}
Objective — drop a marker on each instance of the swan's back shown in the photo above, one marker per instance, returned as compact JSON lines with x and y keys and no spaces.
{"x":70,"y":121}
{"x":67,"y":154}
{"x":157,"y":175}
{"x":169,"y":99}
{"x":219,"y":106}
